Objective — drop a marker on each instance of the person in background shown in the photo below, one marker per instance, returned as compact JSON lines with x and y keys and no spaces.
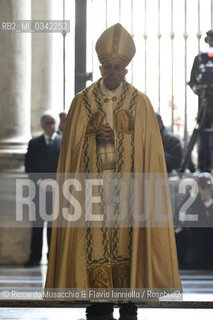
{"x":62,"y":117}
{"x":201,"y":83}
{"x":172,"y":146}
{"x":195,"y":239}
{"x":41,"y":163}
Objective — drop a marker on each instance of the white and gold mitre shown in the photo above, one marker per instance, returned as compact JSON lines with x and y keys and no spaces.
{"x":115,"y":44}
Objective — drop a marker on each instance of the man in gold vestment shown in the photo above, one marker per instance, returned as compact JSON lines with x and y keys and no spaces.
{"x":111,"y":129}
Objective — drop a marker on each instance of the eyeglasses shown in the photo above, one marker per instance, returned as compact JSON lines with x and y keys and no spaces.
{"x":49,"y":123}
{"x":116,"y":67}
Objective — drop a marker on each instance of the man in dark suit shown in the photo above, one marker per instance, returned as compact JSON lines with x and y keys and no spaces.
{"x":41,"y":164}
{"x":195,"y":239}
{"x":171,"y":145}
{"x":201,"y":83}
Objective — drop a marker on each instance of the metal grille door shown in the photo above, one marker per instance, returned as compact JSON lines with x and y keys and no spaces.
{"x":168,"y":34}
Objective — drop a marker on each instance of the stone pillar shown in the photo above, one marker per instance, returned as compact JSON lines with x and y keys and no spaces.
{"x":15,"y":85}
{"x":47,"y":63}
{"x":15,"y":100}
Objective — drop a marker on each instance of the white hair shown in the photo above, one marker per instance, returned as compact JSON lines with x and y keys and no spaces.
{"x":51,"y":114}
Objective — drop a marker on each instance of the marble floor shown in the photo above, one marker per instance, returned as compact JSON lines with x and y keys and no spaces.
{"x":78,"y":314}
{"x":197,"y":298}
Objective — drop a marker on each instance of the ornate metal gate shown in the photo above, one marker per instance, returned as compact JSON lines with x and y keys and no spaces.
{"x":168,"y":34}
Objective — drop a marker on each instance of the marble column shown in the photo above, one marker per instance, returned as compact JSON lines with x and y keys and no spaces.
{"x":15,"y":85}
{"x":15,"y":100}
{"x":47,"y":63}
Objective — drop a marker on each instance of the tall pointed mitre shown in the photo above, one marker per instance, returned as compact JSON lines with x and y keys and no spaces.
{"x":115,"y":44}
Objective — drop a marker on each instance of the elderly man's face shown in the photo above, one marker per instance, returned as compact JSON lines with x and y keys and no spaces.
{"x":112,"y":73}
{"x":48,"y":125}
